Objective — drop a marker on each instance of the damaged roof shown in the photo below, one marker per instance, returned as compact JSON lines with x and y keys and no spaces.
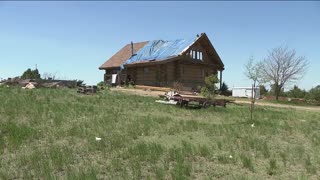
{"x":156,"y":50}
{"x":159,"y":50}
{"x":122,"y":56}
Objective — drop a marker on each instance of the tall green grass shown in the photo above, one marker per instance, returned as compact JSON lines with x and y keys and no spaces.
{"x":50,"y":134}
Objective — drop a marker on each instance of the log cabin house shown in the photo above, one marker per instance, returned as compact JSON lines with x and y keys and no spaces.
{"x":162,"y":63}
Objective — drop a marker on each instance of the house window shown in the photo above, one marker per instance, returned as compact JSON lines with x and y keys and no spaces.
{"x":195,"y":54}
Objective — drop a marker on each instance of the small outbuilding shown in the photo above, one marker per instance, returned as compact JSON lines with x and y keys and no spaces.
{"x":246,"y":92}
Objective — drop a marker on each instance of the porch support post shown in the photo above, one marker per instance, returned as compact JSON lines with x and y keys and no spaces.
{"x":105,"y":76}
{"x":126,"y":75}
{"x":220,"y":79}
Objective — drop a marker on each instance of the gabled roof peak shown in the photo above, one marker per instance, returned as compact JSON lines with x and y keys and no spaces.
{"x":156,"y":50}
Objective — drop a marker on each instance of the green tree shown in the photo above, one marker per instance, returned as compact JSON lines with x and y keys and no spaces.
{"x":273,"y":91}
{"x":263,"y":90}
{"x":36,"y":74}
{"x":224,"y":87}
{"x":79,"y":83}
{"x":209,"y":90}
{"x":31,"y":74}
{"x":101,"y":83}
{"x":26,"y":74}
{"x":224,"y":90}
{"x":296,"y":92}
{"x":314,"y":93}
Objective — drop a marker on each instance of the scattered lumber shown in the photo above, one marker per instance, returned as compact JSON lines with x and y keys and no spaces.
{"x":167,"y":102}
{"x":87,"y":89}
{"x":184,"y":99}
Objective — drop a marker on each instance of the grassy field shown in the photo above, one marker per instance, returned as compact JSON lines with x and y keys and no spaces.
{"x":50,"y":134}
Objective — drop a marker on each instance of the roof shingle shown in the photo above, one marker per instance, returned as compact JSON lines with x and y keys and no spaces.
{"x":122,"y":56}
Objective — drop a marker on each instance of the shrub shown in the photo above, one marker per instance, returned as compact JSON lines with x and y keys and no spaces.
{"x":272,"y":169}
{"x":103,"y":85}
{"x":314,"y":94}
{"x":263,"y":90}
{"x":224,"y":90}
{"x":79,"y":83}
{"x":209,"y":90}
{"x":296,"y":92}
{"x":31,"y":74}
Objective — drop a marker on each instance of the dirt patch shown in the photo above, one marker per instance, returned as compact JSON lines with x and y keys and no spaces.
{"x":316,"y":109}
{"x":139,"y":92}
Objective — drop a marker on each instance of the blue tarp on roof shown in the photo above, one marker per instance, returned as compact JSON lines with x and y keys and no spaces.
{"x":160,"y":50}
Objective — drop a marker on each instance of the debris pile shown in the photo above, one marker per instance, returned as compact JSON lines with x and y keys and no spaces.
{"x":30,"y":85}
{"x":87,"y":89}
{"x":184,"y":98}
{"x":39,"y":83}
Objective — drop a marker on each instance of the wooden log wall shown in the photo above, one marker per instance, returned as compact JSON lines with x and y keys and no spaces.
{"x":164,"y":75}
{"x":146,"y":75}
{"x":193,"y":75}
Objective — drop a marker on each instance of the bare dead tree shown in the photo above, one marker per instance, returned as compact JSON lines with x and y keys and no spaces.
{"x":282,"y":66}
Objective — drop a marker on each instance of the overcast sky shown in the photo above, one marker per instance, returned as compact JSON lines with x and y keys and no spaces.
{"x":72,"y":39}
